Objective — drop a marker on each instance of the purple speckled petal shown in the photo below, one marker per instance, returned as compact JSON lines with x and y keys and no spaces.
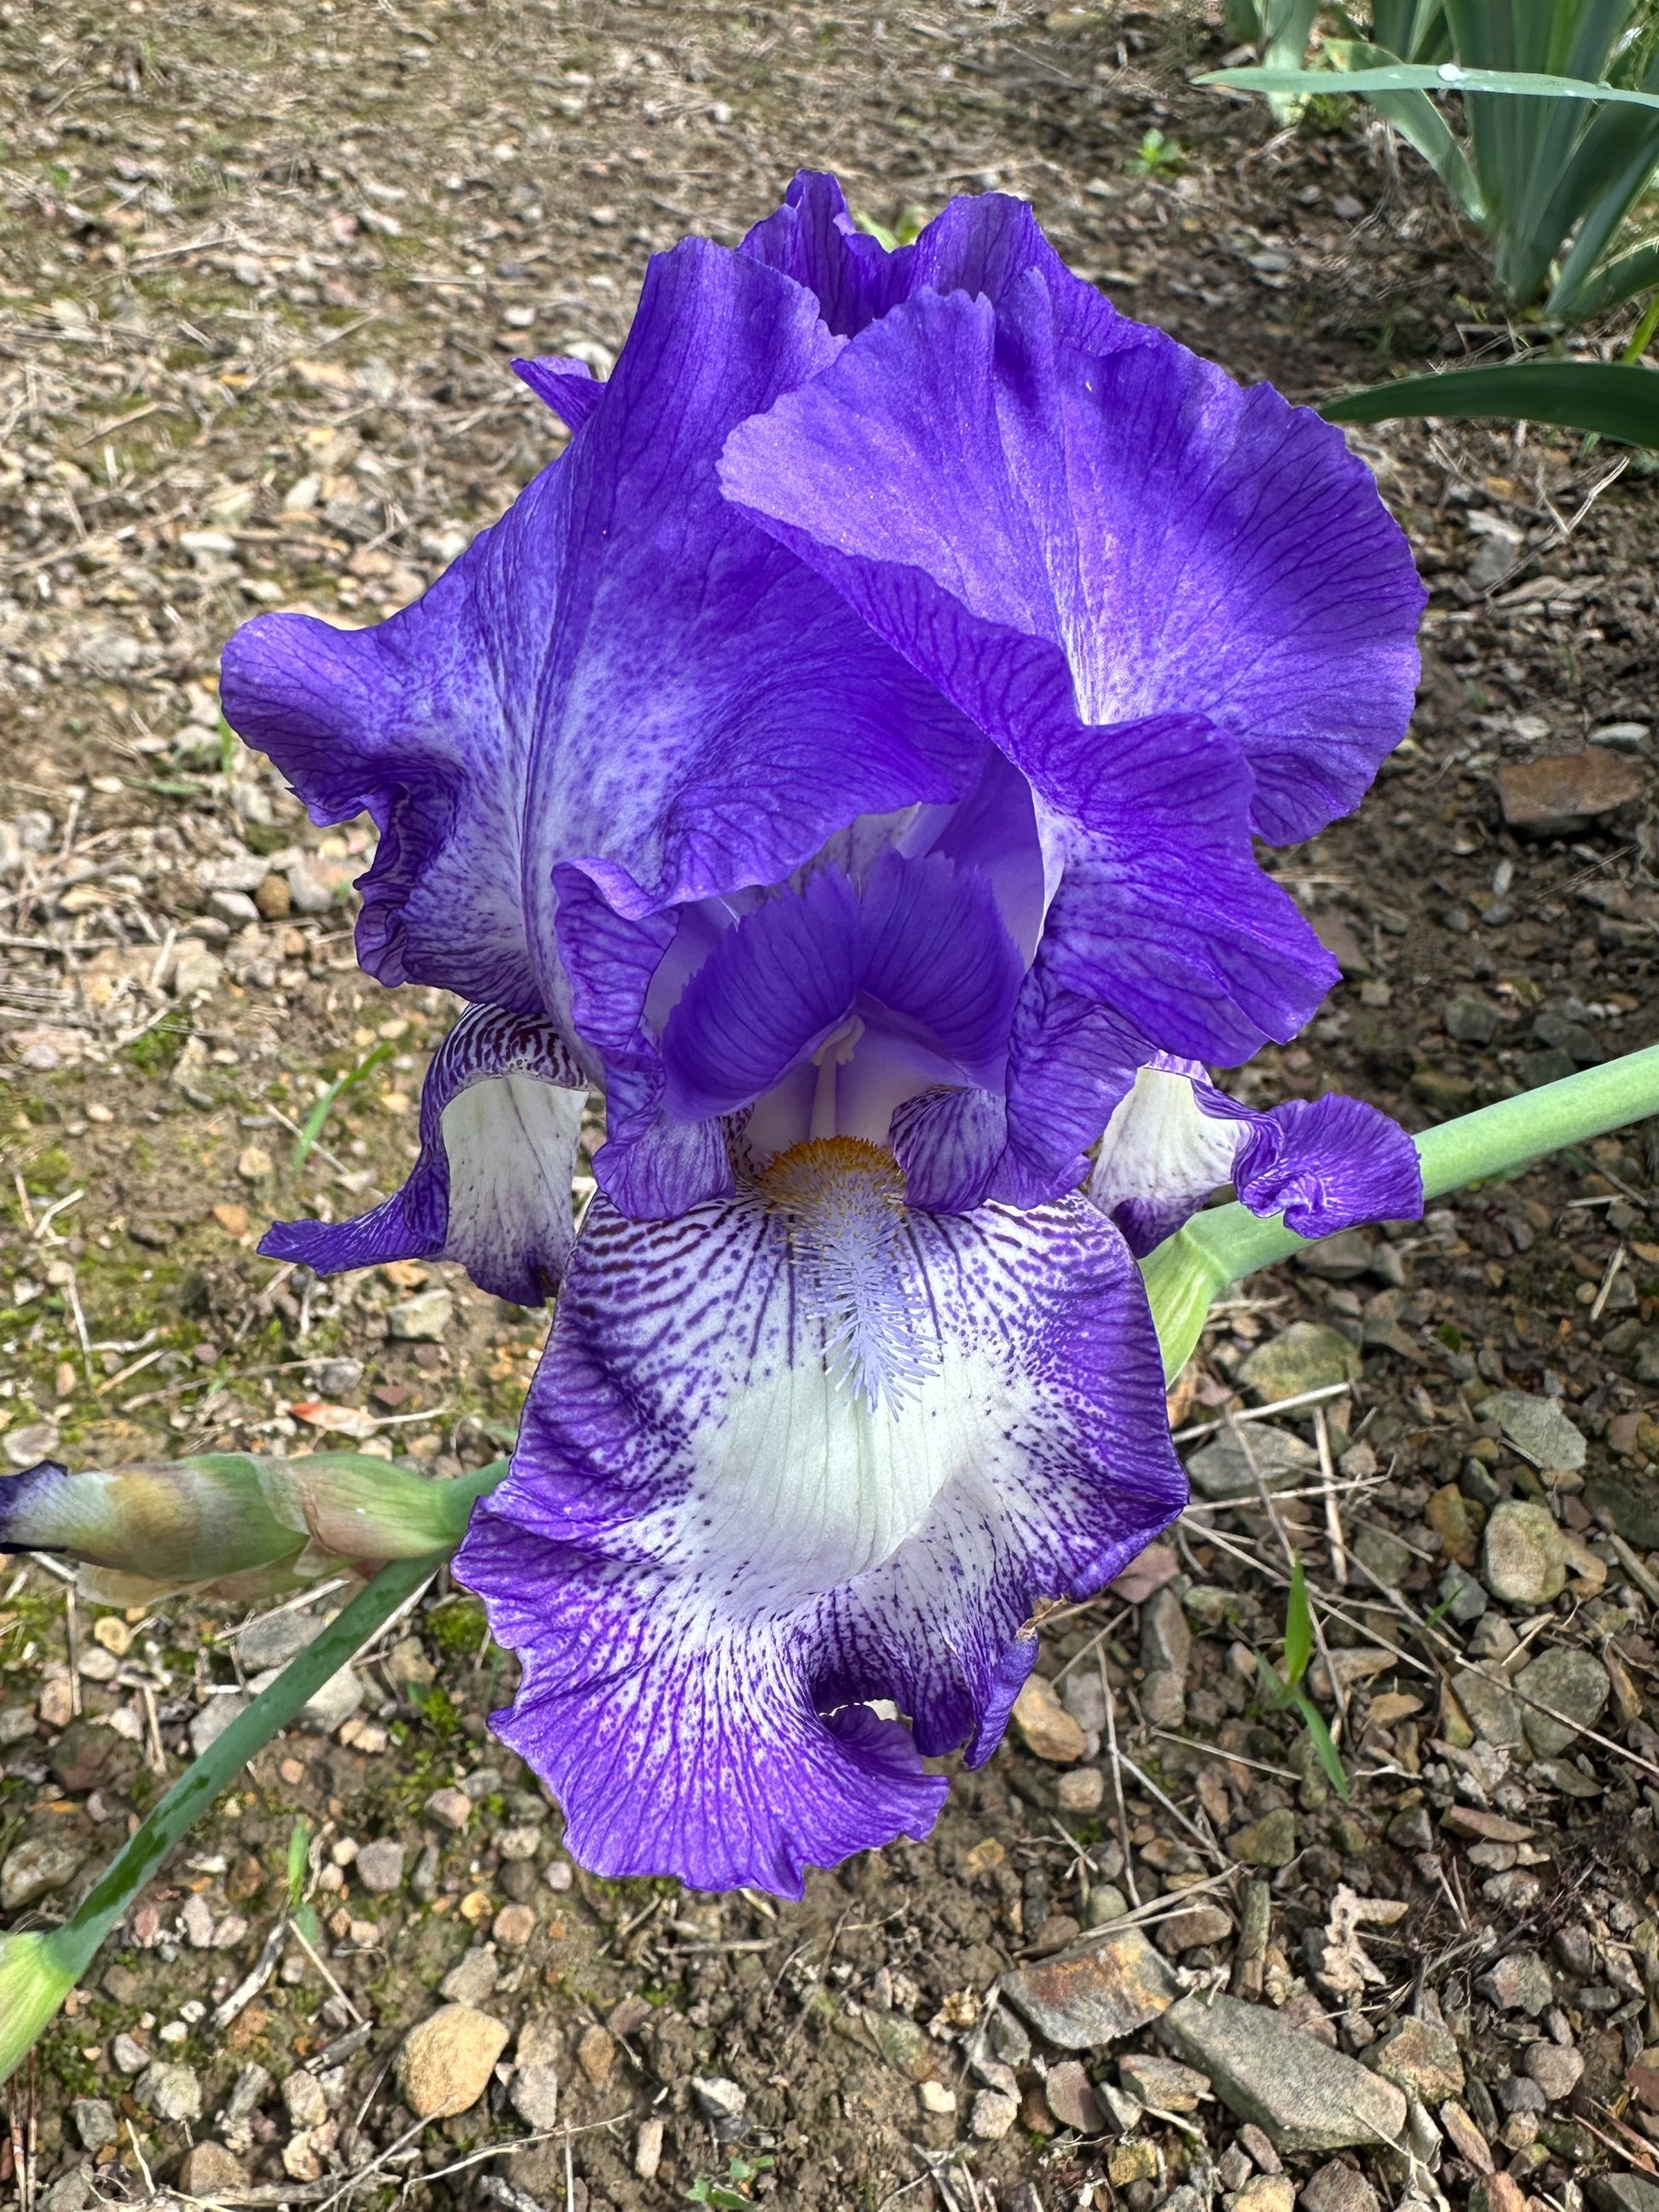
{"x":704,"y":1618}
{"x":500,"y":1121}
{"x":949,"y":1141}
{"x":1326,"y":1164}
{"x":1034,"y":516}
{"x":623,"y":674}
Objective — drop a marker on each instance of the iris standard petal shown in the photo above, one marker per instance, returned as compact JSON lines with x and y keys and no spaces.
{"x":624,"y":674}
{"x":500,"y":1121}
{"x":1326,"y":1164}
{"x":568,"y":387}
{"x":994,"y":494}
{"x":979,"y":243}
{"x":712,"y":1554}
{"x":901,"y":472}
{"x":423,"y":722}
{"x":709,"y":712}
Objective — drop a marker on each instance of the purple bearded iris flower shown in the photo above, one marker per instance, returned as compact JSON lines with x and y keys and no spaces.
{"x":847,"y":756}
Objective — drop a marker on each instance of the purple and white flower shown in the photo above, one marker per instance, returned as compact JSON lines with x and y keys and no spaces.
{"x":848,"y":758}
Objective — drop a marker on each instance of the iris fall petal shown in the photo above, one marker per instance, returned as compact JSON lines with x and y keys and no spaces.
{"x":712,"y":1556}
{"x":501,"y":1120}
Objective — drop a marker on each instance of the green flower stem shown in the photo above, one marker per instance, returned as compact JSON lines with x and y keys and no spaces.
{"x":38,"y":1971}
{"x":1190,"y":1269}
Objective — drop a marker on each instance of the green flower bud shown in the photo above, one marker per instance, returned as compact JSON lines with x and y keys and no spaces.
{"x":231,"y":1524}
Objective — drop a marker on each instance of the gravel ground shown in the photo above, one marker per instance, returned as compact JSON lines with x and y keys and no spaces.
{"x":261,"y":273}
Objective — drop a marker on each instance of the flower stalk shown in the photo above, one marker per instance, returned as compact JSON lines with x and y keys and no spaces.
{"x":1191,"y":1269}
{"x":38,"y":1968}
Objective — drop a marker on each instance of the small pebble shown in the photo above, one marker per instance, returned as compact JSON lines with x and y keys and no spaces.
{"x":596,"y":2054}
{"x":1081,"y":1790}
{"x":451,"y":1808}
{"x":513,"y":1926}
{"x":446,"y":2062}
{"x":994,"y":2112}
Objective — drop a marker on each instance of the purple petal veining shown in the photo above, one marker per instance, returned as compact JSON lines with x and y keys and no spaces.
{"x":703,"y":1623}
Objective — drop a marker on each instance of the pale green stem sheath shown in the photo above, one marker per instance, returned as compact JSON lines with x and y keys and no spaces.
{"x":1193,"y":1267}
{"x":39,"y":1970}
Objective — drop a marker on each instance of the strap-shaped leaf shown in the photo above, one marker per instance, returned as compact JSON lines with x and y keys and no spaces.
{"x":1417,"y":119}
{"x":1299,"y":1627}
{"x":1613,"y":398}
{"x":1414,"y":30}
{"x":1314,"y":1721}
{"x":1423,"y":76}
{"x":1609,"y":286}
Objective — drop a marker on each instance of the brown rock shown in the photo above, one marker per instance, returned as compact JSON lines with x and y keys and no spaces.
{"x":993,"y":2113}
{"x":1487,"y":1827}
{"x":596,"y":2054}
{"x":515,"y":1925}
{"x":1147,"y":1571}
{"x":1264,"y":2068}
{"x":454,"y":1808}
{"x":1470,"y":2144}
{"x":380,"y":1866}
{"x":1129,"y":2162}
{"x":1419,"y":2058}
{"x":1498,"y":2192}
{"x":1057,"y":1931}
{"x":1047,"y":1729}
{"x":1095,"y":1995}
{"x":1071,"y":2097}
{"x":1266,"y":2193}
{"x":1162,"y":2082}
{"x":209,"y":2168}
{"x":629,"y":2015}
{"x":535,"y":2086}
{"x":1255,"y":2145}
{"x":87,"y":1757}
{"x":1337,"y":2187}
{"x":446,"y":2062}
{"x":1034,"y":2109}
{"x":1199,"y":1924}
{"x":1459,"y":1522}
{"x":274,"y":899}
{"x":1268,"y":1842}
{"x":1555,"y":2069}
{"x":1082,"y":1790}
{"x":1561,"y":794}
{"x":314,"y":883}
{"x":1341,"y":940}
